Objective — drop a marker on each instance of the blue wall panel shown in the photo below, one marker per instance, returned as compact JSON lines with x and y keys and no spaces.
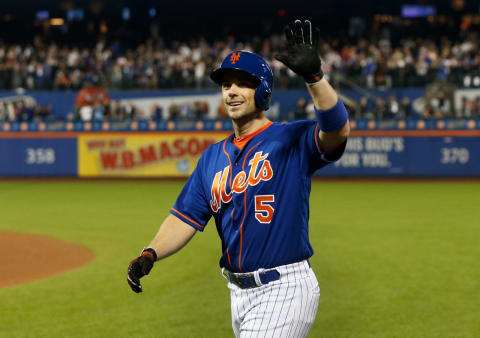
{"x":408,"y":156}
{"x":38,"y":157}
{"x":370,"y":156}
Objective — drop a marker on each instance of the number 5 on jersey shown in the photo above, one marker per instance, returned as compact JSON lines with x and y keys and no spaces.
{"x":263,"y":210}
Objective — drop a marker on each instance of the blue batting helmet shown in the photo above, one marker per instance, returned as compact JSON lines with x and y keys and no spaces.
{"x":254,"y":65}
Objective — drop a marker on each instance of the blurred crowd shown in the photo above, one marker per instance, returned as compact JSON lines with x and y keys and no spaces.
{"x":372,"y":63}
{"x":93,"y":103}
{"x":375,"y":63}
{"x":23,"y":108}
{"x":412,"y":63}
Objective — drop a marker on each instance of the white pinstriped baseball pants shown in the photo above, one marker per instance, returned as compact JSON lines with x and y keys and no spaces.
{"x":283,"y":308}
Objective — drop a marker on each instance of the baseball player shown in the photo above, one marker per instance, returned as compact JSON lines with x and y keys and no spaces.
{"x":256,"y":184}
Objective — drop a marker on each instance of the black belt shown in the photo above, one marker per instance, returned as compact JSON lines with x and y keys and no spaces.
{"x":247,"y":280}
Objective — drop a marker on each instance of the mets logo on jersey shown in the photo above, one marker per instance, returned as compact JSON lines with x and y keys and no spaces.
{"x":235,"y":57}
{"x":260,"y":170}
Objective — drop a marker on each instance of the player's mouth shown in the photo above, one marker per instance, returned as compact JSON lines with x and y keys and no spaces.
{"x":234,"y":104}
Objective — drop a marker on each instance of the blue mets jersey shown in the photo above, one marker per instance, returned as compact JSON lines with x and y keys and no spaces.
{"x":258,"y":195}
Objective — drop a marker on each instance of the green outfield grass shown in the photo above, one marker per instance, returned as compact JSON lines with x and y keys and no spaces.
{"x":398,"y":259}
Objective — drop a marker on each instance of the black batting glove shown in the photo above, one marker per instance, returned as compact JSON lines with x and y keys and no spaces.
{"x":140,"y":267}
{"x":301,"y":55}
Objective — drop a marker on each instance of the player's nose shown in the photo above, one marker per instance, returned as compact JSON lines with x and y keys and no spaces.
{"x":233,"y":89}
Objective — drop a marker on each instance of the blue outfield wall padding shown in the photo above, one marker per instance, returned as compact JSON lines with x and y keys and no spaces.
{"x":435,"y":156}
{"x":397,"y":154}
{"x":38,"y":157}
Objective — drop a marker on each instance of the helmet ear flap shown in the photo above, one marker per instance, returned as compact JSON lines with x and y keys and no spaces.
{"x":263,"y":95}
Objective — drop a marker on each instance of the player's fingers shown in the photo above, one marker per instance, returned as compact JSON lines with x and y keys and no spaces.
{"x":134,"y":284}
{"x":289,"y":36}
{"x":147,"y":266}
{"x":134,"y":273}
{"x":298,"y":32}
{"x":316,"y":37}
{"x":307,"y":30}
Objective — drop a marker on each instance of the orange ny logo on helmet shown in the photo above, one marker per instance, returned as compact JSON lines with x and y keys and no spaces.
{"x":234,"y":58}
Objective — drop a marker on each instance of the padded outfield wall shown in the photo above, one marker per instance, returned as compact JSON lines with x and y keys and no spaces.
{"x":171,"y":149}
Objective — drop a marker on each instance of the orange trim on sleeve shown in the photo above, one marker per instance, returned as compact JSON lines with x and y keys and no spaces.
{"x":317,"y":136}
{"x":191,"y":220}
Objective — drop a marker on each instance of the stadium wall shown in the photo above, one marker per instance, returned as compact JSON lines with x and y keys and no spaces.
{"x":283,"y":101}
{"x":370,"y":153}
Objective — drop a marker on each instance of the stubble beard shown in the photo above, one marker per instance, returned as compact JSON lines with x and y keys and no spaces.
{"x":243,"y":117}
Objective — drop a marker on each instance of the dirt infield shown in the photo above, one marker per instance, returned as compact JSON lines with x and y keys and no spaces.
{"x":25,"y":258}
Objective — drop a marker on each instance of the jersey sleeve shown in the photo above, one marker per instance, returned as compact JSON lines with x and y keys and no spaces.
{"x":314,"y":157}
{"x":191,"y":205}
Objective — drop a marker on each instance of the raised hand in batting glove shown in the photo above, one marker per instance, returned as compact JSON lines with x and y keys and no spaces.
{"x":301,"y":55}
{"x":140,"y":267}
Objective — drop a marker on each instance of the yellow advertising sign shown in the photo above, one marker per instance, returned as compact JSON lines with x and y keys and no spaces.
{"x":151,"y":155}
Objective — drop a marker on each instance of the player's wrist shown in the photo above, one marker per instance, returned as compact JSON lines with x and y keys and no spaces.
{"x":333,"y":118}
{"x":313,"y":78}
{"x":149,"y":253}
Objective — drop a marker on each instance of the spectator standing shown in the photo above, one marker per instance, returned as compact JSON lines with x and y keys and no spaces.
{"x":380,"y":108}
{"x":405,"y":108}
{"x":393,"y":107}
{"x":300,"y":112}
{"x":442,"y":105}
{"x":92,"y":101}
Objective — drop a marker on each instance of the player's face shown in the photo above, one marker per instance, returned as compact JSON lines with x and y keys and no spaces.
{"x":238,"y":92}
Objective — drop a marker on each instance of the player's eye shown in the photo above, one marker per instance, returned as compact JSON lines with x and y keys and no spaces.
{"x":226,"y":85}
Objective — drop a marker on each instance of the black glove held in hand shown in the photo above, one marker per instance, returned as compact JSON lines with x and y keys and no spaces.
{"x":301,"y":56}
{"x":140,"y":267}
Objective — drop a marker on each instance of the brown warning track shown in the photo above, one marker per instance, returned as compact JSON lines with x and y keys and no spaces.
{"x":25,"y":258}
